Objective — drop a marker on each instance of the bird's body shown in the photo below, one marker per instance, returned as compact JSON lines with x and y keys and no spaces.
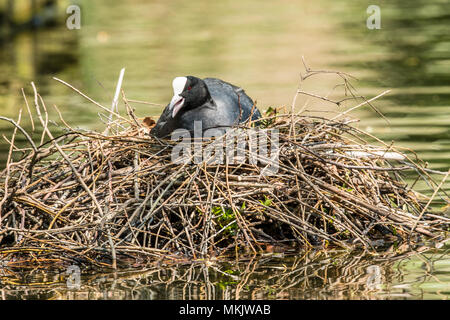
{"x":216,"y":103}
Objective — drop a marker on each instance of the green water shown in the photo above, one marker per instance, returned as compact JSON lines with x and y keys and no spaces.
{"x":257,"y":45}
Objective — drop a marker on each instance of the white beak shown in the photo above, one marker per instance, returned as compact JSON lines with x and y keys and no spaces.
{"x":176,"y":104}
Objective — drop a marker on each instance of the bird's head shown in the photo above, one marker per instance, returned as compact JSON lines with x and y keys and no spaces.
{"x":188,"y":93}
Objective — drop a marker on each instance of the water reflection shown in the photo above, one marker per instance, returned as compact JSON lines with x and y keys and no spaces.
{"x":417,"y":274}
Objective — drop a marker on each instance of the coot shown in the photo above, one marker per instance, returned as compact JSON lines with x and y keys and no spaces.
{"x":214,"y":102}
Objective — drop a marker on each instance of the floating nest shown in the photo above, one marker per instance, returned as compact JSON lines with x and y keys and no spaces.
{"x":117,"y":198}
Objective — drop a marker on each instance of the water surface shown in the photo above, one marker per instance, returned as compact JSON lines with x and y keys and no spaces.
{"x":401,"y":274}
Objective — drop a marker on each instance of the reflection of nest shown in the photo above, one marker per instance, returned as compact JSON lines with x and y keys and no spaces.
{"x":309,"y":275}
{"x":109,"y":199}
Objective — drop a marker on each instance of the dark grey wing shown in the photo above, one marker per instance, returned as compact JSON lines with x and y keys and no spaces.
{"x":249,"y":107}
{"x":226,"y":95}
{"x":246,"y":104}
{"x":164,"y":126}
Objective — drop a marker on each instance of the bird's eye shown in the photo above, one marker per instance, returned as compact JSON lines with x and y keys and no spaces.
{"x":189,"y":88}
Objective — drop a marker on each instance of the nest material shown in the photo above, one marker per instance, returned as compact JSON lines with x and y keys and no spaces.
{"x":103,"y":199}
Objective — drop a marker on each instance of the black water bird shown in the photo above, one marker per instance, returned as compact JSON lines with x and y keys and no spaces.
{"x":216,"y":103}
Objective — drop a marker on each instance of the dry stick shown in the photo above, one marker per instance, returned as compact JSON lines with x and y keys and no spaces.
{"x":347,"y":85}
{"x":74,"y":170}
{"x":207,"y":210}
{"x":361,"y":104}
{"x":91,"y":100}
{"x":136,"y":175}
{"x":429,"y":202}
{"x":367,"y":167}
{"x":144,"y":102}
{"x":311,"y":72}
{"x":291,"y":131}
{"x":8,"y":166}
{"x":44,"y":125}
{"x":28,"y":108}
{"x":338,"y":103}
{"x":115,"y":101}
{"x":110,"y":200}
{"x":35,"y":150}
{"x":113,"y":250}
{"x":62,"y":119}
{"x":116,"y":95}
{"x":130,"y":111}
{"x":23,"y":131}
{"x":187,"y":231}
